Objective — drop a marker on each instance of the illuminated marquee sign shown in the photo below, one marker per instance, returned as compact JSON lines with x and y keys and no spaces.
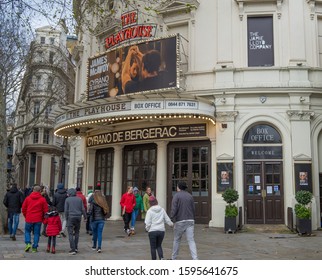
{"x":155,"y":63}
{"x":159,"y":132}
{"x":130,"y":30}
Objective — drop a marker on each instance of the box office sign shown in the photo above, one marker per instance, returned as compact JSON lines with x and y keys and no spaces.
{"x":263,"y":152}
{"x":151,"y":133}
{"x":148,"y":66}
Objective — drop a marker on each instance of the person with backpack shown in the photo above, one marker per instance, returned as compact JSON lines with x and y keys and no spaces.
{"x":59,"y":202}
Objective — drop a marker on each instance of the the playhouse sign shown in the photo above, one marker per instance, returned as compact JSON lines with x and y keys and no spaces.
{"x":130,"y":30}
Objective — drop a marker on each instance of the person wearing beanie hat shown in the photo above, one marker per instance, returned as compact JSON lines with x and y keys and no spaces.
{"x":137,"y":208}
{"x":154,"y":221}
{"x":146,"y":204}
{"x":98,"y":186}
{"x":74,"y":209}
{"x":153,"y":201}
{"x":59,"y":202}
{"x":183,"y":213}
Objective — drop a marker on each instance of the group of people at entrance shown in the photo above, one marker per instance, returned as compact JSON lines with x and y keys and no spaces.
{"x":66,"y":208}
{"x":155,"y":217}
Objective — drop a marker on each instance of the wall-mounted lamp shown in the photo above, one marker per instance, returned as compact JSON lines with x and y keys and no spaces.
{"x":302,"y":99}
{"x":224,"y":125}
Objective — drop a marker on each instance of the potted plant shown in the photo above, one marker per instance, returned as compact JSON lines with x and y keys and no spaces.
{"x":303,"y":212}
{"x":230,"y":196}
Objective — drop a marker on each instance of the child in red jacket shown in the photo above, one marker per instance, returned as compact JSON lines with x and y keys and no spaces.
{"x":54,"y":227}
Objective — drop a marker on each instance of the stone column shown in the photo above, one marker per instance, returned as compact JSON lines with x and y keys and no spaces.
{"x":161,"y":178}
{"x":117,"y":183}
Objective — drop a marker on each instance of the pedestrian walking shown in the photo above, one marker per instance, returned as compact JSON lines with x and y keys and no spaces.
{"x":146,"y":204}
{"x":13,"y":200}
{"x":127,"y":204}
{"x":98,"y":212}
{"x":44,"y":193}
{"x":155,"y":219}
{"x":88,"y":220}
{"x":183,"y":213}
{"x":74,"y":209}
{"x":34,"y":209}
{"x":82,"y":197}
{"x":53,"y":228}
{"x":59,"y":202}
{"x":137,"y":208}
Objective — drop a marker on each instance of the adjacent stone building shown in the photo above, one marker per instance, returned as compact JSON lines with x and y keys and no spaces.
{"x":40,"y":157}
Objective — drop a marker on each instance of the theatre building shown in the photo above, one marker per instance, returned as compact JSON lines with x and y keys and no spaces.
{"x":218,"y":93}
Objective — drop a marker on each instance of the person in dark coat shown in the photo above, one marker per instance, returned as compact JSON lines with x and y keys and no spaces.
{"x":74,"y":210}
{"x":59,"y":202}
{"x":98,"y":209}
{"x":13,"y":200}
{"x":44,"y":193}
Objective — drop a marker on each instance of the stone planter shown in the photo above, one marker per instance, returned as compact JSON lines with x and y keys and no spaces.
{"x":304,"y":226}
{"x":230,"y":224}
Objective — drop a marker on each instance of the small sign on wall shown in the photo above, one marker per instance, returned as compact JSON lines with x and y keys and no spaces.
{"x":224,"y":176}
{"x":303,"y":176}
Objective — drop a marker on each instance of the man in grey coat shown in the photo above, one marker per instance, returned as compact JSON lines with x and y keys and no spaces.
{"x":183,"y":214}
{"x":74,"y":209}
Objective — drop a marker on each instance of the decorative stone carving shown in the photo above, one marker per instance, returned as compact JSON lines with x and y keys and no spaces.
{"x":80,"y":163}
{"x":242,"y":2}
{"x":311,"y":4}
{"x":226,"y":116}
{"x":300,"y":115}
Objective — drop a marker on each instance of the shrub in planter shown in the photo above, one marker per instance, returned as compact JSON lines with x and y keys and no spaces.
{"x":303,"y":212}
{"x":230,"y":196}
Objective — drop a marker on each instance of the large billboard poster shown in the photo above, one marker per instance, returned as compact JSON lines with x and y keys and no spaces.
{"x":260,"y":41}
{"x":148,"y":66}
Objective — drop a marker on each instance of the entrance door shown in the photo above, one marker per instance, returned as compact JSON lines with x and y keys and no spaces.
{"x":190,"y":162}
{"x":104,"y":172}
{"x":263,"y":192}
{"x":140,"y":167}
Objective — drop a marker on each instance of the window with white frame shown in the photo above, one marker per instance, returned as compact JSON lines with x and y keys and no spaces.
{"x":46,"y":136}
{"x":36,"y":107}
{"x":320,"y":40}
{"x":38,"y":82}
{"x":51,"y":57}
{"x":36,"y":135}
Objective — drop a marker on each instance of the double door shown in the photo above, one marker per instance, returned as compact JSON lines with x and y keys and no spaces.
{"x":190,"y":162}
{"x":263,"y":192}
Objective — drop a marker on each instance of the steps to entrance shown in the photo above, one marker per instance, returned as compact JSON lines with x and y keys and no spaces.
{"x":264,"y":228}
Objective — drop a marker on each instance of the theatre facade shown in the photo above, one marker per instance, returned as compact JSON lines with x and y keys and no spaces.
{"x":235,"y":102}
